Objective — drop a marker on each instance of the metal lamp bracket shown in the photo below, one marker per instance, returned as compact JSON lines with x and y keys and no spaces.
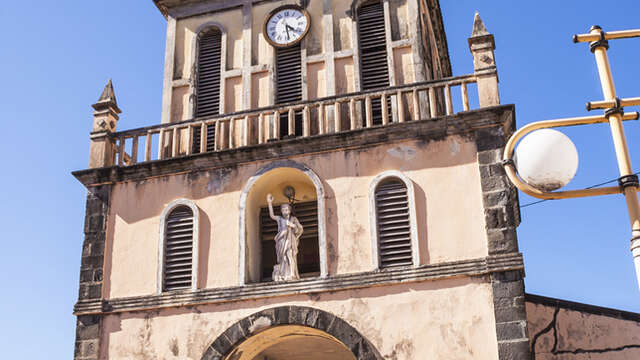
{"x":511,"y":170}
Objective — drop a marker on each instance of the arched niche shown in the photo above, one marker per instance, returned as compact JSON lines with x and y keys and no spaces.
{"x":273,"y":179}
{"x":291,"y":333}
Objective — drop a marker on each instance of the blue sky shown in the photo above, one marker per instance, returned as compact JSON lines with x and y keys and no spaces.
{"x":57,"y":56}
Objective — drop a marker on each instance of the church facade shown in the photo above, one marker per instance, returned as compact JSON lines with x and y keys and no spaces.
{"x":345,"y":112}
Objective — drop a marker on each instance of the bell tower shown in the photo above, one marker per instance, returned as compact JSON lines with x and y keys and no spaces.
{"x":320,"y":186}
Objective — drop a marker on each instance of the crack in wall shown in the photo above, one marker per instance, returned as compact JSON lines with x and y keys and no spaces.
{"x":552,"y":326}
{"x":597,"y":351}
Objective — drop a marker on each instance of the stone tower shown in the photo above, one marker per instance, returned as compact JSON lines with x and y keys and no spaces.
{"x":347,"y":112}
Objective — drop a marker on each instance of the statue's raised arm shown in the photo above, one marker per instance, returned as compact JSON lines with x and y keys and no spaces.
{"x":270,"y":202}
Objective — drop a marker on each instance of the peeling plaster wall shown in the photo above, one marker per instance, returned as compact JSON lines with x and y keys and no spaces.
{"x":450,"y":319}
{"x":570,"y":331}
{"x":450,"y":216}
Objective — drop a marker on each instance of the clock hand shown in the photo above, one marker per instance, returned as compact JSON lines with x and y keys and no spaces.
{"x":289,"y":28}
{"x":286,"y":27}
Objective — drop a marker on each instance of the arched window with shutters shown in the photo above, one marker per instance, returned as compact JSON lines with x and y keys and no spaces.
{"x":178,"y":247}
{"x":372,"y":45}
{"x":393,"y":221}
{"x":289,"y":86}
{"x":209,"y":60}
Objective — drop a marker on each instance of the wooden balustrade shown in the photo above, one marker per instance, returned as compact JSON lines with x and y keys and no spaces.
{"x":365,"y":109}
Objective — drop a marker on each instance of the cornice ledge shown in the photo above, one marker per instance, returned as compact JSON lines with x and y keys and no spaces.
{"x":474,"y":267}
{"x":180,"y":9}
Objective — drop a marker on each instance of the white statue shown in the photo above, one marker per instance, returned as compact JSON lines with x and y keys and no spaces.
{"x":289,"y":231}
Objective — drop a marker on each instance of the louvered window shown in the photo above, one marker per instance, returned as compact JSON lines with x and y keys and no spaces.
{"x":308,"y":250}
{"x":208,"y":82}
{"x":178,"y":250}
{"x":374,"y":70}
{"x":393,"y":222}
{"x":289,"y":85}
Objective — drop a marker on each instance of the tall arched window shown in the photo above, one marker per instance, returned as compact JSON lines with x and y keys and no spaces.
{"x":178,"y":248}
{"x":394,"y":230}
{"x":289,"y":86}
{"x":374,"y":69}
{"x":208,"y":71}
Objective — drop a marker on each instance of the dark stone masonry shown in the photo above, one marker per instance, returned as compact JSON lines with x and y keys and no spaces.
{"x":502,"y":217}
{"x":91,"y":270}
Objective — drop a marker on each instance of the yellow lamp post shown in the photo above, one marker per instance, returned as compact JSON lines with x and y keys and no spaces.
{"x":614,"y":115}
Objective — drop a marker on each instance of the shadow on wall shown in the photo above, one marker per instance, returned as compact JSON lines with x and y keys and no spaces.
{"x":333,"y":226}
{"x":204,"y":249}
{"x":421,"y":219}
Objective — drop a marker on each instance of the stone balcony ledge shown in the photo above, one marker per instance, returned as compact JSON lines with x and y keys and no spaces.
{"x":335,"y":114}
{"x":431,"y":129}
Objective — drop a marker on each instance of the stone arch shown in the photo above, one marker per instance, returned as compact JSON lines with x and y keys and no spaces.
{"x":230,"y":340}
{"x":320,"y":198}
{"x":355,"y":4}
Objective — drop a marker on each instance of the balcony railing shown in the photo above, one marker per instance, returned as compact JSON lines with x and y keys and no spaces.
{"x":417,"y":101}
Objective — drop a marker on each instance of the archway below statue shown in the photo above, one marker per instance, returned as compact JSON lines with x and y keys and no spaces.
{"x":291,"y":342}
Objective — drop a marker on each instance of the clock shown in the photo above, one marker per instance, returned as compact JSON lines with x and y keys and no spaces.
{"x":286,"y":26}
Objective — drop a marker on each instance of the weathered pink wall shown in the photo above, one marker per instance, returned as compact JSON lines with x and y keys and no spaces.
{"x":447,"y":319}
{"x":563,"y":333}
{"x":450,"y":217}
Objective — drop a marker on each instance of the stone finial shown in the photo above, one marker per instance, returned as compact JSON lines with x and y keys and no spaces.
{"x":107,"y":99}
{"x":108,"y":93}
{"x":106,"y":110}
{"x":105,"y":119}
{"x":480,"y":36}
{"x":482,"y":45}
{"x":478,"y":26}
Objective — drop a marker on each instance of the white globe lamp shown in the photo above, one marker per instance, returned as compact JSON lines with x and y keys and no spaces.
{"x":546,"y":159}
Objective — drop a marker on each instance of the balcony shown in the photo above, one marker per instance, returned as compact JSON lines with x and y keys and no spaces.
{"x":399,"y":104}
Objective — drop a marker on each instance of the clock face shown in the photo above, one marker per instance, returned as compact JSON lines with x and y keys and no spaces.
{"x":286,"y":26}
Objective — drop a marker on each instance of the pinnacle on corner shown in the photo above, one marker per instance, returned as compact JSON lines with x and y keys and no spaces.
{"x":108,"y":97}
{"x":482,"y":45}
{"x":107,"y":93}
{"x":106,"y":110}
{"x":478,"y":26}
{"x":105,"y":119}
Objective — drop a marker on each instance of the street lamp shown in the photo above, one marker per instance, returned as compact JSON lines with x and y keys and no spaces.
{"x":546,"y":159}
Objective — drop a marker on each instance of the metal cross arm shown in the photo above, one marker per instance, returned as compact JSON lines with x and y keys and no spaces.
{"x":609,"y":104}
{"x":614,"y":114}
{"x":611,"y":35}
